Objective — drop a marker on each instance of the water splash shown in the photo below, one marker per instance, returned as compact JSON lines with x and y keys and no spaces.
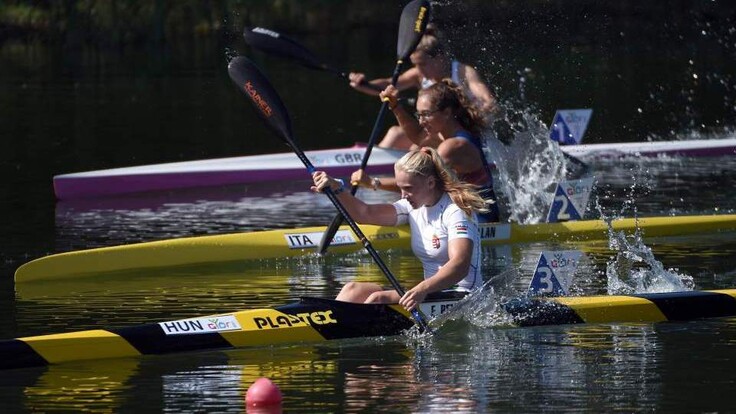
{"x":529,"y":166}
{"x":634,"y":269}
{"x":484,"y":306}
{"x":230,"y":54}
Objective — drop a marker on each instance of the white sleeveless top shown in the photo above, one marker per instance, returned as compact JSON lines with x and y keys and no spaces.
{"x":455,"y":76}
{"x":431,"y":230}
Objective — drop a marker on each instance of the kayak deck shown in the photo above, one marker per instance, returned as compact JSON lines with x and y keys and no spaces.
{"x":302,"y":241}
{"x":317,"y":320}
{"x":684,"y":148}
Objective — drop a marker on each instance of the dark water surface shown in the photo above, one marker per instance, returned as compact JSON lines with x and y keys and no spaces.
{"x":663,"y":72}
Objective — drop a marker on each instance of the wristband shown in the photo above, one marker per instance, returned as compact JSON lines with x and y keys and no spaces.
{"x":339,"y":189}
{"x":376,"y":183}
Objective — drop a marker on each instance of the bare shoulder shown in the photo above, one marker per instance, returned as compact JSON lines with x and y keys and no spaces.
{"x":455,"y":149}
{"x":472,"y":76}
{"x":451,"y":145}
{"x":470,"y":71}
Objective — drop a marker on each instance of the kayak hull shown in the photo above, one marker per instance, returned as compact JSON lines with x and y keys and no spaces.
{"x":651,"y":307}
{"x":303,"y":241}
{"x":306,"y":321}
{"x":218,"y":172}
{"x":338,"y":162}
{"x":316,"y":320}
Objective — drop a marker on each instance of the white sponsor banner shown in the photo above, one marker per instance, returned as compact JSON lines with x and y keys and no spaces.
{"x":200,"y":325}
{"x":311,"y":240}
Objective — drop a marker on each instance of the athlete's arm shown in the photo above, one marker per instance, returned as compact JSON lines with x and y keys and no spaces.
{"x":460,"y":252}
{"x":362,"y":178}
{"x":378,"y":214}
{"x":407,"y":80}
{"x":407,"y":122}
{"x":480,"y":90}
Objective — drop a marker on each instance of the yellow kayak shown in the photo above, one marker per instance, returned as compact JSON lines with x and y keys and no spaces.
{"x":301,"y":241}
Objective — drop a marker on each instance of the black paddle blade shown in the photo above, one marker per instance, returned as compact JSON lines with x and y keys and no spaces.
{"x":280,"y":45}
{"x":413,"y":23}
{"x":251,"y":81}
{"x":329,"y":233}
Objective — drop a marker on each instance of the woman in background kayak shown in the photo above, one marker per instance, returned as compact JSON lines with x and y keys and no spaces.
{"x":432,"y":63}
{"x":442,"y":214}
{"x":445,"y":120}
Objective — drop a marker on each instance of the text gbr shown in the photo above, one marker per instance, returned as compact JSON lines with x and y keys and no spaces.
{"x":348,"y":158}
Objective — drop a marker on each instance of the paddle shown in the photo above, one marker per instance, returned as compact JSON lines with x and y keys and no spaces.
{"x":582,"y":166}
{"x":278,"y":44}
{"x":270,"y":108}
{"x":413,"y":22}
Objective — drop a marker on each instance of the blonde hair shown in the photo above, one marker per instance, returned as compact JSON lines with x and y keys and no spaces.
{"x":428,"y":163}
{"x":447,"y":94}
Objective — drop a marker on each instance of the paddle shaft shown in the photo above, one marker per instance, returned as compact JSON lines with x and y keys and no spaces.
{"x":337,"y":221}
{"x":339,"y":73}
{"x":577,"y":161}
{"x":413,"y":23}
{"x":364,"y":83}
{"x":377,"y":125}
{"x":278,"y":44}
{"x":363,"y":239}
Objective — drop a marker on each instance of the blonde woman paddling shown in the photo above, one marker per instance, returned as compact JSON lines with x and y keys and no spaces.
{"x":442,"y":214}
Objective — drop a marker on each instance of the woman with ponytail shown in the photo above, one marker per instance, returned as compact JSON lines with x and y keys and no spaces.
{"x":442,"y":214}
{"x":446,"y":120}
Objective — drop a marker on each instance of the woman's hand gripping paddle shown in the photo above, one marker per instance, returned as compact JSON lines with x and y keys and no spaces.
{"x":413,"y":23}
{"x":270,"y":108}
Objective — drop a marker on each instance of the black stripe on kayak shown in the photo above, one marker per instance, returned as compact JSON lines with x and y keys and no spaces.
{"x":680,"y":306}
{"x":20,"y":354}
{"x":533,"y":312}
{"x":151,"y":339}
{"x":353,"y":320}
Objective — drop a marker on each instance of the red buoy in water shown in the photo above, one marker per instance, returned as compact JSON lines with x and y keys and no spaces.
{"x":263,"y":392}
